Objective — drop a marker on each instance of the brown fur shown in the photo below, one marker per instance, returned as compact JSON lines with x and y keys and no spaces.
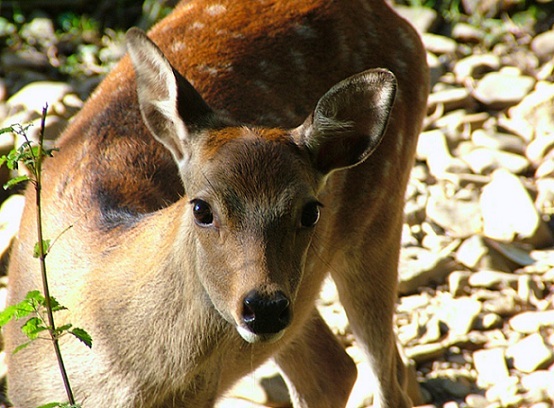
{"x":163,"y":296}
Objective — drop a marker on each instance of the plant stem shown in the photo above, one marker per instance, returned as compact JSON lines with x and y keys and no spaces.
{"x":42,"y":259}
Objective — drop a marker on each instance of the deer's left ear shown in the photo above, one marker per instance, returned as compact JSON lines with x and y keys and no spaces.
{"x":349,"y":121}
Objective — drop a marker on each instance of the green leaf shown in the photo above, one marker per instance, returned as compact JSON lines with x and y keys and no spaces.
{"x":21,"y":309}
{"x":35,"y":296}
{"x":55,"y":405}
{"x":45,"y":248}
{"x":49,"y":152}
{"x":15,"y":181}
{"x":55,"y":305}
{"x":62,"y":329}
{"x":60,"y":405}
{"x":33,"y":327}
{"x":7,"y":315}
{"x":21,"y":346}
{"x":6,"y":130}
{"x":83,"y":336}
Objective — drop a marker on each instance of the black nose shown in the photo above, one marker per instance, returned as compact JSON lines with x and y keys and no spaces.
{"x":266,"y":313}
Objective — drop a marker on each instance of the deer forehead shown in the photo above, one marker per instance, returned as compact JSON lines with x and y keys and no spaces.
{"x":254,"y":170}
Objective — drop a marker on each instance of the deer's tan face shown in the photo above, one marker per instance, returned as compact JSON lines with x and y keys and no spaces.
{"x":253,"y":211}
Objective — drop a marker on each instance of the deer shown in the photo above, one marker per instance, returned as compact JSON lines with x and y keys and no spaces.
{"x":239,"y":154}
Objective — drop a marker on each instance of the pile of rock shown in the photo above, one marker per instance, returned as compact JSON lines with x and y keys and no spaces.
{"x":476,"y":279}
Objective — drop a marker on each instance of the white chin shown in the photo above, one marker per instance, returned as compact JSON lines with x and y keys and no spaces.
{"x":250,"y":337}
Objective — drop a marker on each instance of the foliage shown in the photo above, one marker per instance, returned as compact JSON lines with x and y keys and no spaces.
{"x":34,"y":305}
{"x":38,"y":308}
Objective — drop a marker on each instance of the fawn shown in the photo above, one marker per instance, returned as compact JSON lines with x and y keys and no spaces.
{"x":212,"y":184}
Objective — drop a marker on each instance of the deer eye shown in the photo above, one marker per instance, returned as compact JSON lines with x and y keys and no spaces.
{"x":202,"y":212}
{"x":310,"y":214}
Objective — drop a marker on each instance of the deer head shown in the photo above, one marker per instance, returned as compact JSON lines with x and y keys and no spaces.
{"x":252,"y":192}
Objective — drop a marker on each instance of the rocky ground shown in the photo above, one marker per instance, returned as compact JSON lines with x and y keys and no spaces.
{"x":475,"y":316}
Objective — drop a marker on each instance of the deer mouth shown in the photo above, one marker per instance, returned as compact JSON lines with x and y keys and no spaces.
{"x":264,"y":318}
{"x":253,"y":338}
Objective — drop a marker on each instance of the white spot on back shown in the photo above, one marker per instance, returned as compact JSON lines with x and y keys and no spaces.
{"x":299,"y":59}
{"x":216,"y":9}
{"x":269,"y":69}
{"x":262,"y":85}
{"x":306,"y":32}
{"x":399,"y":143}
{"x":187,"y":6}
{"x":197,"y":25}
{"x":178,"y":46}
{"x":210,"y":70}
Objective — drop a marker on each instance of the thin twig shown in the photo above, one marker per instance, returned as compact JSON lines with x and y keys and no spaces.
{"x":42,"y":259}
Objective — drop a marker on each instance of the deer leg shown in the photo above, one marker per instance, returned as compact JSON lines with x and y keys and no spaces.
{"x":317,"y":370}
{"x":367,"y":290}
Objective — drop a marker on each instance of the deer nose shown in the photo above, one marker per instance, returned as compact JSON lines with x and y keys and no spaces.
{"x":264,"y":314}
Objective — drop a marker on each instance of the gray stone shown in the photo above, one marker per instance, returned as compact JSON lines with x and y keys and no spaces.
{"x":533,"y":115}
{"x":422,"y":18}
{"x":471,"y":251}
{"x":36,"y":95}
{"x":491,"y":366}
{"x":498,"y":90}
{"x":543,"y":44}
{"x":432,"y":146}
{"x":425,"y":352}
{"x":489,"y":321}
{"x":10,"y":217}
{"x":438,"y":44}
{"x":539,"y":147}
{"x":513,"y":252}
{"x":477,"y":401}
{"x":459,"y":314}
{"x":450,"y":99}
{"x":483,"y":160}
{"x":545,"y":170}
{"x":467,"y":33}
{"x":529,"y":290}
{"x":545,"y":195}
{"x":498,"y":141}
{"x":532,"y":322}
{"x":458,"y":282}
{"x":461,"y":218}
{"x":509,"y":212}
{"x":475,"y":66}
{"x":40,"y":30}
{"x":506,"y":393}
{"x":541,"y":379}
{"x":491,"y":279}
{"x":503,"y":303}
{"x":419,"y":267}
{"x":457,"y":387}
{"x":530,"y":353}
{"x":264,"y":387}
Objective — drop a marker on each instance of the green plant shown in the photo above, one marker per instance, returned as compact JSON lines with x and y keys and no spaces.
{"x":39,"y":308}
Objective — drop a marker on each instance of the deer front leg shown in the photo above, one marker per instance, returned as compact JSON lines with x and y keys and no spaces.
{"x":317,"y":370}
{"x":366,"y":283}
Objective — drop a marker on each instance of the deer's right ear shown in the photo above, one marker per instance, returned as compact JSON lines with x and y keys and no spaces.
{"x":349,"y":121}
{"x":158,"y":87}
